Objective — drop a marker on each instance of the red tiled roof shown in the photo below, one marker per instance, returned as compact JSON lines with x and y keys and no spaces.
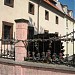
{"x":48,"y":2}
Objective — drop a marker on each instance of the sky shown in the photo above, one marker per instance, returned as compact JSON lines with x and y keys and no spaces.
{"x":70,"y":3}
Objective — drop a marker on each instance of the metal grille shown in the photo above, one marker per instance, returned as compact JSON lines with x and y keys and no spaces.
{"x":7,"y":48}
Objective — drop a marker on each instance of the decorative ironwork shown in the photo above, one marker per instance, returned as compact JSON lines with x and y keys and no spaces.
{"x":48,"y":56}
{"x":34,"y":53}
{"x":7,"y":49}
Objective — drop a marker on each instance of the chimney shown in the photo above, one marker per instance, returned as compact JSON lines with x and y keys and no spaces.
{"x":65,"y":9}
{"x":70,"y":13}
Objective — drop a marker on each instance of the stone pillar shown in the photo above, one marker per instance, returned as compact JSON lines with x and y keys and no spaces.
{"x":21,"y":34}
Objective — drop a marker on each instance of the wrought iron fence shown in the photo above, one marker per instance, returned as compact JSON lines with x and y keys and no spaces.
{"x":7,"y":49}
{"x":38,"y":50}
{"x":45,"y":51}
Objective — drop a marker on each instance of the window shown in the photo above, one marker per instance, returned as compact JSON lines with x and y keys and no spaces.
{"x":7,"y":30}
{"x":53,"y":2}
{"x":9,"y":3}
{"x":30,"y":32}
{"x":56,"y":19}
{"x":31,"y":8}
{"x":46,"y":15}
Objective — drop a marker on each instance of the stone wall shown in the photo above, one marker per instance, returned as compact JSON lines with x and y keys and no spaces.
{"x":10,"y":67}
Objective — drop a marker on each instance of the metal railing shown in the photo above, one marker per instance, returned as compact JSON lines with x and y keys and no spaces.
{"x":40,"y":50}
{"x":45,"y":55}
{"x":7,"y":49}
{"x":36,"y":52}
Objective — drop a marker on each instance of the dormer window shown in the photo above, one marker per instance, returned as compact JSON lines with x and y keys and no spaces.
{"x":53,"y":1}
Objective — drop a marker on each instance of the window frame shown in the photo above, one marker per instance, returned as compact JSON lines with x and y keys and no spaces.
{"x":46,"y":15}
{"x":11,"y":30}
{"x":32,"y":9}
{"x":11,"y":4}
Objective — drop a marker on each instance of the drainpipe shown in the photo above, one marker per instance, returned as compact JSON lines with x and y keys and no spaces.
{"x":73,"y":43}
{"x":67,"y":38}
{"x":38,"y":17}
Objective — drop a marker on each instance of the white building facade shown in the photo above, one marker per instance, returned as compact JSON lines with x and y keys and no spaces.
{"x":43,"y":15}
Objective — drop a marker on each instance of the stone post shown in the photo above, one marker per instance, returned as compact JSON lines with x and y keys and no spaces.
{"x":21,"y":34}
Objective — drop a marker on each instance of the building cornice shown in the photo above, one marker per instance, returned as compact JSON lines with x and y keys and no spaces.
{"x":21,"y":21}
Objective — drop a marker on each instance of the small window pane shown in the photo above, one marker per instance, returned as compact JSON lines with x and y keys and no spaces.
{"x":46,"y":15}
{"x":7,"y":32}
{"x":31,"y":8}
{"x":56,"y":19}
{"x":9,"y":3}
